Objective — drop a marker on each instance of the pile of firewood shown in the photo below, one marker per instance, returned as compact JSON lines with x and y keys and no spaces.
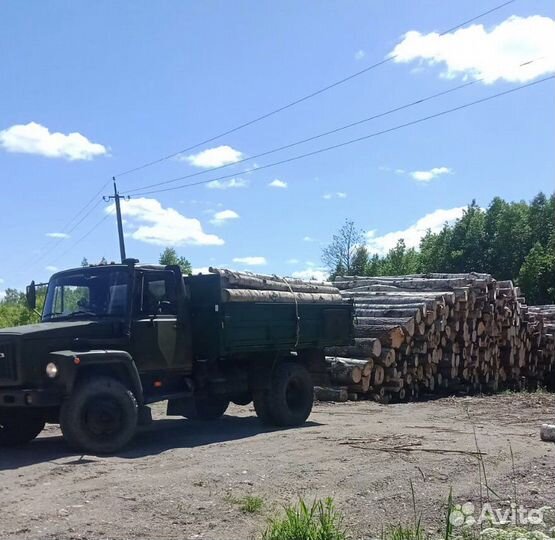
{"x":438,"y":333}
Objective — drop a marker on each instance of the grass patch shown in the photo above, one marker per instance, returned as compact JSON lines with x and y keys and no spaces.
{"x":249,"y":504}
{"x":405,"y":532}
{"x":319,"y":521}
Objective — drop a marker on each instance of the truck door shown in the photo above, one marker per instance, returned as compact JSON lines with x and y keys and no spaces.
{"x":157,"y":343}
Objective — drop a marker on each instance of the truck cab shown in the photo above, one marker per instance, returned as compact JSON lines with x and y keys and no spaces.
{"x":115,"y":338}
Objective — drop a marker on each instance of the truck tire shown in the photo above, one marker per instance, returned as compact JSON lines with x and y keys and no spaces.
{"x":100,"y":416}
{"x":20,"y":427}
{"x":288,"y":400}
{"x":207,"y":408}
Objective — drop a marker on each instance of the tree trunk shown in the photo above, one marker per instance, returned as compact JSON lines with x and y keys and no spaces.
{"x":362,"y":348}
{"x":322,"y":393}
{"x":248,"y":295}
{"x":343,"y":373}
{"x":242,"y":280}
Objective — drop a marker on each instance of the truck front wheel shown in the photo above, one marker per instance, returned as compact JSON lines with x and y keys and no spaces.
{"x":100,"y":416}
{"x":288,"y":400}
{"x":19,"y":427}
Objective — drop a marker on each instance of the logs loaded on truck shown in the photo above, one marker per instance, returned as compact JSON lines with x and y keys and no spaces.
{"x":115,"y":338}
{"x":438,"y":333}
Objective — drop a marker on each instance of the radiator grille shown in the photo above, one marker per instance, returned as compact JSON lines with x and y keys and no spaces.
{"x":8,"y":369}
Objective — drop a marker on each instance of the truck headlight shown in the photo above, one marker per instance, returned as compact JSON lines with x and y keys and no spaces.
{"x":51,"y":370}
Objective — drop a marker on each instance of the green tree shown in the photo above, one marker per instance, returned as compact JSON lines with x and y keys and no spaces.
{"x":13,"y":297}
{"x":14,"y":310}
{"x":435,"y":255}
{"x":510,"y":240}
{"x":374,"y":266}
{"x":340,"y":254}
{"x":541,"y":218}
{"x":400,"y":260}
{"x":360,"y":261}
{"x":466,"y":242}
{"x":170,"y":257}
{"x":537,"y":275}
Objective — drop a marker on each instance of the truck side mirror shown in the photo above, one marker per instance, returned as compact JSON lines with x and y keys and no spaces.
{"x":31,"y":295}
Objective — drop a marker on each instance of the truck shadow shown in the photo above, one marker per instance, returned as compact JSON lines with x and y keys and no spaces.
{"x":163,"y":434}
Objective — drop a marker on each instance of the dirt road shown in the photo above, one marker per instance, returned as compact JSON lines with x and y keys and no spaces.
{"x":181,"y":479}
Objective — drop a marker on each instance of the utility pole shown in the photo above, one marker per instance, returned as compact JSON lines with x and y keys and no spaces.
{"x":117,"y":197}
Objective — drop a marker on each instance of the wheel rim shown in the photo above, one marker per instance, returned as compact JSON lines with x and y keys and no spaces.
{"x":102,"y":417}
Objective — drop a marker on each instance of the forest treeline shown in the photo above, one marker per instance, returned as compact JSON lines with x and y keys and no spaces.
{"x":510,"y":240}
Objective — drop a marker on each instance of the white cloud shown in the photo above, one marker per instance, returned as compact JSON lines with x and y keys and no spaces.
{"x":1,"y":280}
{"x":51,"y":268}
{"x":214,"y":157}
{"x":318,"y":274}
{"x":308,"y":239}
{"x":32,"y":138}
{"x":278,"y":184}
{"x":289,"y":261}
{"x":360,"y":54}
{"x":2,"y":294}
{"x":491,"y":55}
{"x":228,"y":184}
{"x":163,"y":226}
{"x":251,"y":261}
{"x":427,"y":176}
{"x":412,"y":235}
{"x":225,"y":215}
{"x":336,"y":195}
{"x":57,"y":235}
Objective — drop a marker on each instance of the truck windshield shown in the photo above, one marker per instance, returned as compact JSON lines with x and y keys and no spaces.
{"x":98,"y":292}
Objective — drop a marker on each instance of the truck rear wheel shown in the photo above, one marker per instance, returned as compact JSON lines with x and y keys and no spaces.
{"x":288,"y":400}
{"x":100,"y":416}
{"x":19,"y":427}
{"x":206,"y":408}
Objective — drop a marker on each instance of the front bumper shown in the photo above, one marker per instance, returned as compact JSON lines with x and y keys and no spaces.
{"x":30,"y":398}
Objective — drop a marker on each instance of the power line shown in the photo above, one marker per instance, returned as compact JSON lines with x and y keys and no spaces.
{"x":88,"y":233}
{"x":320,"y":135}
{"x":68,"y":232}
{"x":64,"y":230}
{"x":301,"y":99}
{"x":308,"y":139}
{"x":358,"y":139}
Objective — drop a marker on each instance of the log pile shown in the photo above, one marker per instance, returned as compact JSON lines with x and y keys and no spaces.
{"x":540,"y":321}
{"x":250,"y":287}
{"x":438,"y":333}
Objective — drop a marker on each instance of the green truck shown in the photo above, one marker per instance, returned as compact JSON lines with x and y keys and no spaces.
{"x":115,"y":338}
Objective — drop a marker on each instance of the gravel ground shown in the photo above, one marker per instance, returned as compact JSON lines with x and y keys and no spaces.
{"x":182,"y":479}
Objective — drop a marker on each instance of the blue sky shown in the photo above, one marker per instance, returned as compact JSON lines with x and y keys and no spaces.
{"x":92,"y":89}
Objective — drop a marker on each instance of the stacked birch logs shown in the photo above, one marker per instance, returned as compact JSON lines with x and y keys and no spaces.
{"x":540,"y":321}
{"x":250,"y":287}
{"x":438,"y":333}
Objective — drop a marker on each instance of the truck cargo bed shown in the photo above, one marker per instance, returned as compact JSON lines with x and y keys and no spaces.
{"x":222,"y":328}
